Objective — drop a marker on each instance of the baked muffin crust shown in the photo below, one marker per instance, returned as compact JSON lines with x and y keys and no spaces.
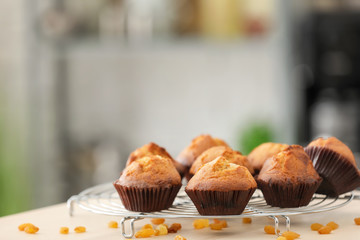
{"x":197,"y":146}
{"x":150,"y":171}
{"x":264,"y":151}
{"x":151,"y":149}
{"x":212,"y":153}
{"x":290,"y":165}
{"x":221,"y":175}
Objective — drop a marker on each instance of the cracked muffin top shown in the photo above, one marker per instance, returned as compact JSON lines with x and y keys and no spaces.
{"x":221,"y":175}
{"x":231,"y":155}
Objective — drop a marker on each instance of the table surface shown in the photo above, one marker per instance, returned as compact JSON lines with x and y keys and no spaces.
{"x":50,"y":219}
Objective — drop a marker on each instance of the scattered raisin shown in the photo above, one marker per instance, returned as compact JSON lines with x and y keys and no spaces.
{"x":246,"y":220}
{"x":269,"y":229}
{"x":31,"y":229}
{"x":80,"y":229}
{"x":222,"y":222}
{"x":147,"y":226}
{"x":113,"y":224}
{"x":24,"y":225}
{"x":178,"y":237}
{"x":333,"y":225}
{"x":174,"y":228}
{"x":161,"y":230}
{"x":325,"y":230}
{"x":216,"y":226}
{"x":316,"y":226}
{"x":64,"y":230}
{"x":157,"y":221}
{"x":201,"y":223}
{"x":289,"y":235}
{"x":145,"y":233}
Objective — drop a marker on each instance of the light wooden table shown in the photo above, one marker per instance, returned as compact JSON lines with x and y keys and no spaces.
{"x":50,"y":219}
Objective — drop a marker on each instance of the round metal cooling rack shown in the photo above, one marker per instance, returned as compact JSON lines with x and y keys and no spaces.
{"x":103,"y":199}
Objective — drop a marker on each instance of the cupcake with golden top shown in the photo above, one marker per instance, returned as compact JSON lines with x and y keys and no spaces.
{"x":197,"y":146}
{"x":148,"y":184}
{"x":221,"y":188}
{"x":335,"y":163}
{"x":151,"y":149}
{"x":288,"y":179}
{"x":231,"y":155}
{"x":263,"y":152}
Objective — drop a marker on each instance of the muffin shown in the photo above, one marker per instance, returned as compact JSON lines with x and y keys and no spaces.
{"x":197,"y":146}
{"x":154,"y":149}
{"x":261,"y":153}
{"x":148,"y":184}
{"x":288,"y":179}
{"x":335,"y":163}
{"x":231,"y":155}
{"x":221,"y":188}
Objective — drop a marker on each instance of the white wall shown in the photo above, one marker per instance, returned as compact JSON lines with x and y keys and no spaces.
{"x":171,"y":93}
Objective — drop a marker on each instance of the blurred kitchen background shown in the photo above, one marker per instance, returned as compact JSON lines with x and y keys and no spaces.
{"x":83,"y":83}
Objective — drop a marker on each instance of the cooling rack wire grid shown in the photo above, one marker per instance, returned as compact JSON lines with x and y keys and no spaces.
{"x":103,"y":199}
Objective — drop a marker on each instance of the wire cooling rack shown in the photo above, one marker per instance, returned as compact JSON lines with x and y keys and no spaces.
{"x":103,"y":199}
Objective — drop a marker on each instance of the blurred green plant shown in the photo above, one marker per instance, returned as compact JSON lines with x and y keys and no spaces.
{"x":254,"y":134}
{"x":14,"y":182}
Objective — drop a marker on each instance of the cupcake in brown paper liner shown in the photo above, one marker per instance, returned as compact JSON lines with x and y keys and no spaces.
{"x":197,"y":146}
{"x":335,"y":163}
{"x":214,"y":152}
{"x":148,"y":184}
{"x":221,"y":188}
{"x":288,"y":179}
{"x":151,"y":149}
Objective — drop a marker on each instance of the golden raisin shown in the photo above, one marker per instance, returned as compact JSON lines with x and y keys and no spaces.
{"x":357,"y":221}
{"x":201,"y":223}
{"x":64,"y":230}
{"x":113,"y":224}
{"x":333,"y":225}
{"x":145,"y":233}
{"x":316,"y":226}
{"x":147,"y":226}
{"x":24,"y":225}
{"x":222,"y":222}
{"x":289,"y":235}
{"x":281,"y":238}
{"x":80,"y":229}
{"x":31,"y":229}
{"x":246,"y":220}
{"x":157,"y":221}
{"x":174,"y":228}
{"x":161,"y":230}
{"x":269,"y":229}
{"x":216,"y":226}
{"x":178,"y":237}
{"x":325,"y":230}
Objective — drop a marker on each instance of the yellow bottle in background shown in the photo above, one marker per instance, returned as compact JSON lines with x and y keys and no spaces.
{"x":220,"y":19}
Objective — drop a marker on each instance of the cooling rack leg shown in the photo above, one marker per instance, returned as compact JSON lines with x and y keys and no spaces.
{"x":287,"y":219}
{"x":132,"y":226}
{"x":276,"y":224}
{"x":70,"y":205}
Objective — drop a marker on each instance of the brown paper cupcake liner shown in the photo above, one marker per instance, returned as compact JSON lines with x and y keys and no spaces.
{"x":220,"y":203}
{"x":287,"y":195}
{"x":339,"y":175}
{"x":146,"y":199}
